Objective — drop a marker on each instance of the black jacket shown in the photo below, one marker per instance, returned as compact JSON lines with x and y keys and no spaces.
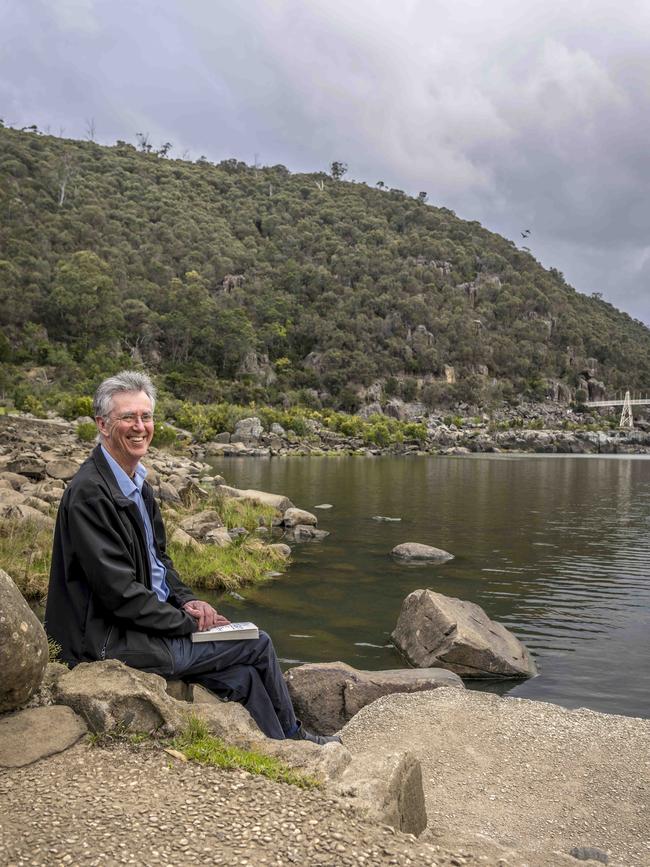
{"x":100,"y":604}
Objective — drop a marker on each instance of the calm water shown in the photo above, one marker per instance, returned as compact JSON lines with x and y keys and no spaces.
{"x":555,"y":548}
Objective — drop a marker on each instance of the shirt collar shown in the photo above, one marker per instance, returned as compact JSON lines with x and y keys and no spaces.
{"x":126,"y":484}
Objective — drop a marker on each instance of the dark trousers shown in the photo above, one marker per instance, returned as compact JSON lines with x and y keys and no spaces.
{"x":246,"y":671}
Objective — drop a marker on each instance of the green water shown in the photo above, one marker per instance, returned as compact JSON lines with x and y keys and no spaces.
{"x":555,"y":548}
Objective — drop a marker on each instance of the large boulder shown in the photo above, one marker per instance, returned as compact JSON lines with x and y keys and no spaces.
{"x":328,"y":694}
{"x":417,"y":551}
{"x":23,"y":647}
{"x":439,"y":631}
{"x":111,"y":696}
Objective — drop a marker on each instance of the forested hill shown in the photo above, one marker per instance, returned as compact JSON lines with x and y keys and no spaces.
{"x":243,"y":283}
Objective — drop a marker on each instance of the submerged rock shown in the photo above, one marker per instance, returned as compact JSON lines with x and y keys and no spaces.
{"x":439,"y":631}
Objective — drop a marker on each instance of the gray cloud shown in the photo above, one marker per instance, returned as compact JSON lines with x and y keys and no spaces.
{"x":530,"y":115}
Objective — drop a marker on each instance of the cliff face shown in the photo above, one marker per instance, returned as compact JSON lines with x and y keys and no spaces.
{"x":242,"y":283}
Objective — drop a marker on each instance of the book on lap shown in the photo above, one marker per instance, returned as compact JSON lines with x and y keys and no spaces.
{"x":228,"y":632}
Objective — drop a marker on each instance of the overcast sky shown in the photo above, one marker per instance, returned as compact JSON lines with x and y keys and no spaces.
{"x":522,"y":115}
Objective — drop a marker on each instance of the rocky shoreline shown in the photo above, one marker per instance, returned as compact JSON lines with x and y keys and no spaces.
{"x":538,"y":428}
{"x":545,"y":787}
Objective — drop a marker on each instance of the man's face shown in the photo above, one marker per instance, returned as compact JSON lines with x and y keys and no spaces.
{"x":128,"y":429}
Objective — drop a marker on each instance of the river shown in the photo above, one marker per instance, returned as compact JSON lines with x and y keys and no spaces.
{"x":555,"y":548}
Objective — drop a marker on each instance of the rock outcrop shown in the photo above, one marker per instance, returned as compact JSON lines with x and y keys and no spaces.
{"x":439,"y":631}
{"x":23,"y":647}
{"x":327,"y":695}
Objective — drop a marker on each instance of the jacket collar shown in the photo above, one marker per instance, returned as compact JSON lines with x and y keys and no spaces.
{"x":106,"y":473}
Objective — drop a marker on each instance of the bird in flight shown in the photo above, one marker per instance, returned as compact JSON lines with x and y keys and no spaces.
{"x":525,"y":233}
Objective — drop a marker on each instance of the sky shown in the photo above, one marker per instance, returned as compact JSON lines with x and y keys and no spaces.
{"x":530,"y":115}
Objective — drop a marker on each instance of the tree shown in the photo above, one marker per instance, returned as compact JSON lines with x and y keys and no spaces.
{"x":338,"y":169}
{"x":82,"y":305}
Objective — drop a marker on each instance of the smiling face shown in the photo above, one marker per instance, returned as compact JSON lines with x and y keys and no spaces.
{"x":128,"y":430}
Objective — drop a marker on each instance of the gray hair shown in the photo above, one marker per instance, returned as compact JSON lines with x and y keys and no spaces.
{"x":125,"y":380}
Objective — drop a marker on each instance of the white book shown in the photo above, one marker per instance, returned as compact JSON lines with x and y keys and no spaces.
{"x":228,"y":632}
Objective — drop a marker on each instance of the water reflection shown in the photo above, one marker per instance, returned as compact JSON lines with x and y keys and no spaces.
{"x":555,"y":548}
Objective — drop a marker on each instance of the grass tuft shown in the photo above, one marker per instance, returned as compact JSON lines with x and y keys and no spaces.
{"x":200,"y":746}
{"x":25,"y":553}
{"x":214,"y":568}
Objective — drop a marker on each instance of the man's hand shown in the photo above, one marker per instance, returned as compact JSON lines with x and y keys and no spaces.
{"x":205,"y":614}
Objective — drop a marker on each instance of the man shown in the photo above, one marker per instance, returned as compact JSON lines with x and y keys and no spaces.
{"x":114,"y":593}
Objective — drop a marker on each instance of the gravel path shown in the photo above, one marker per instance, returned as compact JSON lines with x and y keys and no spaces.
{"x":135,"y":805}
{"x":525,"y":774}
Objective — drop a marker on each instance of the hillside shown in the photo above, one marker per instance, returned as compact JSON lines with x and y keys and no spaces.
{"x":238,"y":283}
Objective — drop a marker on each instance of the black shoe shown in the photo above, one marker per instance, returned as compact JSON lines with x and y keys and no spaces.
{"x":303,"y":735}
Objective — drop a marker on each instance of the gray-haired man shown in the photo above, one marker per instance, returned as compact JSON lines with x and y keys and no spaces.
{"x":114,"y":592}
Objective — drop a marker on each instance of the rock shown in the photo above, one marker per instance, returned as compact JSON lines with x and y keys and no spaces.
{"x":278,"y":501}
{"x":15,"y":479}
{"x":23,"y":647}
{"x":180,"y":537}
{"x":219,"y":536}
{"x":9,"y":497}
{"x":589,"y":853}
{"x":416,"y":551}
{"x":110,"y":695}
{"x":439,"y":631}
{"x":326,"y":695}
{"x":28,"y":464}
{"x":37,"y":503}
{"x":180,"y":690}
{"x":190,"y":492}
{"x":280,"y":548}
{"x":247,"y":429}
{"x":293,"y":517}
{"x":277,"y":430}
{"x":201,"y":523}
{"x":36,"y":733}
{"x":63,"y":469}
{"x":222,"y":437}
{"x":44,"y":695}
{"x":387,"y":789}
{"x":304,"y":532}
{"x":167,"y":493}
{"x":228,"y":720}
{"x":23,"y":512}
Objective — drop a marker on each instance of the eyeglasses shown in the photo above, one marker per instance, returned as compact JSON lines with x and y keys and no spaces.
{"x":132,"y":417}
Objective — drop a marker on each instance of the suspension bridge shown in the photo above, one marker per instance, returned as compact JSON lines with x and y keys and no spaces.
{"x":627,"y":402}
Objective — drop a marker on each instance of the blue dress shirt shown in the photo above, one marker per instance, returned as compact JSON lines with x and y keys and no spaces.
{"x":132,"y":489}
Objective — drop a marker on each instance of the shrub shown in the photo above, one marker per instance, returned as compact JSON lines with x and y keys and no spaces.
{"x":86,"y":431}
{"x":164,"y":435}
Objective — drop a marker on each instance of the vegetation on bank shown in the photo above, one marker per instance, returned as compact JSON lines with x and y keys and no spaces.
{"x":198,"y":745}
{"x":26,"y":550}
{"x":235,"y":283}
